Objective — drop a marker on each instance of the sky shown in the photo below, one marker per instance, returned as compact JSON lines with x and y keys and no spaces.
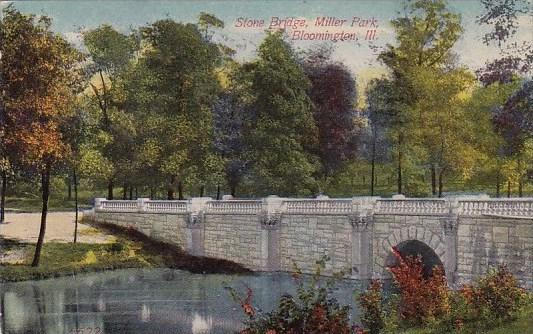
{"x":69,"y":17}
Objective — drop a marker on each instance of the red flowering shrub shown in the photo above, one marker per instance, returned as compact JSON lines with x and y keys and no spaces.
{"x":421,"y":299}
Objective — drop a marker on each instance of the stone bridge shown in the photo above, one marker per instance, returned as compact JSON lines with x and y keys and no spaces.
{"x":467,"y":235}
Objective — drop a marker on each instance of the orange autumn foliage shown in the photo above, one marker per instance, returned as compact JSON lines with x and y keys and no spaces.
{"x":40,"y":77}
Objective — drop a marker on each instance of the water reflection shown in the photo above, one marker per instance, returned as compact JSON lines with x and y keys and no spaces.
{"x":201,"y":325}
{"x":138,"y":301}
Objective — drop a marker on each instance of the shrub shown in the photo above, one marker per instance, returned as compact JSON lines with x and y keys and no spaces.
{"x":371,"y":304}
{"x":311,"y":311}
{"x":497,"y":297}
{"x":421,"y":299}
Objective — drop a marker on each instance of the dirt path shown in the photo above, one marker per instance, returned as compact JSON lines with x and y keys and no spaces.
{"x":24,"y":227}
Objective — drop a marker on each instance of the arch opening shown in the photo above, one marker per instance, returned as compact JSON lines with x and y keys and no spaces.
{"x":416,"y":248}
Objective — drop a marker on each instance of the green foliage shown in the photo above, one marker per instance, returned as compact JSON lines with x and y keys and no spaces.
{"x":425,"y":36}
{"x":109,"y":49}
{"x":179,"y":89}
{"x":282,"y":129}
{"x":497,"y":297}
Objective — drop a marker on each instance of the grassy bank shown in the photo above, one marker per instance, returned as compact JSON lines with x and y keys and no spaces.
{"x":522,"y":325}
{"x":130,"y":250}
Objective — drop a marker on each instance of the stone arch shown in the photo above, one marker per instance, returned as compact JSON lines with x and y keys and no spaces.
{"x":416,"y":248}
{"x":417,"y":233}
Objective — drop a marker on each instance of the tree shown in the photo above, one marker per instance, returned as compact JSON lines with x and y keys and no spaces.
{"x":282,"y":131}
{"x":181,"y":64}
{"x":440,"y":128}
{"x":110,"y":52}
{"x":5,"y":165}
{"x":333,"y":94}
{"x":380,"y":98}
{"x":229,"y":119}
{"x":513,"y":122}
{"x":481,"y":108}
{"x":425,"y":37}
{"x":76,"y":129}
{"x":39,"y":75}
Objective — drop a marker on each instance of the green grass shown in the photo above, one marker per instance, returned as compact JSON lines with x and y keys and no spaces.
{"x":522,"y":325}
{"x":33,"y":204}
{"x":61,"y":259}
{"x":132,"y":249}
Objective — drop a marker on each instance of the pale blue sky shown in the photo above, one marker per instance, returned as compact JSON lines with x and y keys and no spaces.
{"x":69,"y":16}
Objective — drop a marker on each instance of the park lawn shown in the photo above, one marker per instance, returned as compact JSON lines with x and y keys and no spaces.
{"x":522,"y":325}
{"x":131,"y":249}
{"x":63,"y":259}
{"x":34,"y":203}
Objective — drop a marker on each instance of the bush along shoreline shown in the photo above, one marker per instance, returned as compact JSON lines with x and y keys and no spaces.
{"x":494,"y":304}
{"x":131,"y":249}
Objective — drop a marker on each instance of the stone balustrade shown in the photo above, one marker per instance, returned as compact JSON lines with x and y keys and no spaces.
{"x":166,"y":206}
{"x":412,"y":206}
{"x":516,"y":207}
{"x":522,"y":207}
{"x":318,"y":206}
{"x":234,"y":207}
{"x":117,"y":206}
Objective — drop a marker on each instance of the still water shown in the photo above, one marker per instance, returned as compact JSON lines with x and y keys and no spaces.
{"x":141,"y":301}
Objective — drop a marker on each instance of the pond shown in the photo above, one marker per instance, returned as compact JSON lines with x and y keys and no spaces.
{"x":139,"y":301}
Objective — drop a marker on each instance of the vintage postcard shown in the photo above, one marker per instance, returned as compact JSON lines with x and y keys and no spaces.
{"x":266,"y":167}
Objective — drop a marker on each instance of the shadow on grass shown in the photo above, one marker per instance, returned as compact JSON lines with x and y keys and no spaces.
{"x":172,"y":255}
{"x":10,"y":244}
{"x":132,"y":249}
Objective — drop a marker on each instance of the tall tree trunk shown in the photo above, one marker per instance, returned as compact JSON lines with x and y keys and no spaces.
{"x":233,"y":190}
{"x":170,"y":194}
{"x":433,"y":180}
{"x":441,"y":182}
{"x":498,"y":184}
{"x":373,"y":164}
{"x":202,"y":189}
{"x":3,"y":197}
{"x":110,"y":190}
{"x":152,"y":195}
{"x":75,"y":179}
{"x":136,"y":193}
{"x":400,"y":190}
{"x":45,"y":189}
{"x":170,"y":189}
{"x":520,"y":178}
{"x":508,"y":189}
{"x":3,"y":311}
{"x":131,"y":193}
{"x":180,"y":190}
{"x":69,"y":188}
{"x":218,"y":191}
{"x":124,"y":191}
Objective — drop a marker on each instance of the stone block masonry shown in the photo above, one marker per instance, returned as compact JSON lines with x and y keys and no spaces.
{"x":468,"y":235}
